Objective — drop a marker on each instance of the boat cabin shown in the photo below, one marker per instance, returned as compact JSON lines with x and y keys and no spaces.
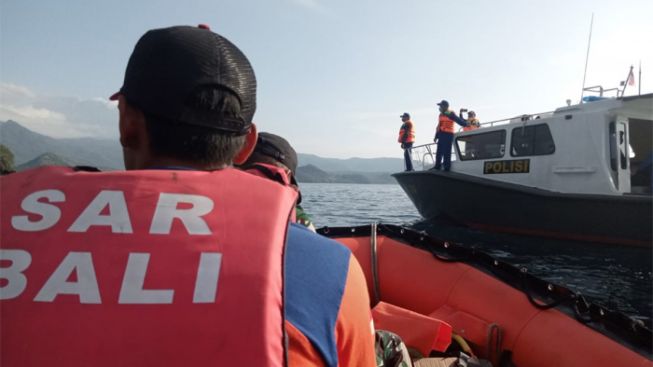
{"x":603,"y":146}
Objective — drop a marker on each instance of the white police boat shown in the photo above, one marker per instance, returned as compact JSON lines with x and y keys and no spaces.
{"x":581,"y":172}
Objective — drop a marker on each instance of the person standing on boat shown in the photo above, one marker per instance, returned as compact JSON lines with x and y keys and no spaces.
{"x":444,"y":135}
{"x":407,"y":138}
{"x":471,"y":119}
{"x":181,"y":259}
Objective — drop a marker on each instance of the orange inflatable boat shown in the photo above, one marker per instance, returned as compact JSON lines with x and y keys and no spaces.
{"x":431,"y":292}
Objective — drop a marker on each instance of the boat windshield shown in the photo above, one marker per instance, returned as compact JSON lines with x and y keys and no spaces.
{"x":491,"y":144}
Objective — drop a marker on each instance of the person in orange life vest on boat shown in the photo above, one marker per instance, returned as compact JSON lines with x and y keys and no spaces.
{"x":273,"y":150}
{"x":407,"y":138}
{"x":473,"y":122}
{"x":444,"y":135}
{"x":181,"y":259}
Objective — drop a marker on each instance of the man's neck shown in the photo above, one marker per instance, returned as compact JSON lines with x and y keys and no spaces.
{"x":162,"y":162}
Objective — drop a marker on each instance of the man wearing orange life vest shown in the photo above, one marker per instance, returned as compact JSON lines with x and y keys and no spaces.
{"x":444,"y":135}
{"x":407,"y":138}
{"x":165,"y":264}
{"x":473,"y":122}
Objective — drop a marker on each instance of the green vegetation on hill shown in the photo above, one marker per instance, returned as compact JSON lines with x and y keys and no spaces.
{"x":6,"y":160}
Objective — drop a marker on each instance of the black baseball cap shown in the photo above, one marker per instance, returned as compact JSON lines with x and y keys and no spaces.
{"x":278,"y":148}
{"x":406,"y":115}
{"x":443,"y":103}
{"x":169,"y":64}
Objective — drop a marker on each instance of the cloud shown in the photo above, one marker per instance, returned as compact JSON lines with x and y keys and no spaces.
{"x":57,"y":116}
{"x":8,"y":89}
{"x":32,"y":113}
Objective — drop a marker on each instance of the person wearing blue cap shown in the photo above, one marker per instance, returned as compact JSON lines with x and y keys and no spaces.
{"x":444,"y":135}
{"x":407,"y":138}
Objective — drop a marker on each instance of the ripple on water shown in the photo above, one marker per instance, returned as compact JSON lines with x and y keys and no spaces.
{"x":619,"y":278}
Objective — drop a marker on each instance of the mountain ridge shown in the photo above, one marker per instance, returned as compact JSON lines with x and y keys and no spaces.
{"x":27,"y":146}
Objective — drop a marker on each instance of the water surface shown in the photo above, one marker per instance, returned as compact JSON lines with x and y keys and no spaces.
{"x":617,"y":277}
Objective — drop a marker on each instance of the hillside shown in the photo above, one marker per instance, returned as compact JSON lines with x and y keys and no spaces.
{"x":313,"y":174}
{"x":27,"y":145}
{"x":46,"y":159}
{"x":353,"y":164}
{"x":310,"y":173}
{"x":32,"y":149}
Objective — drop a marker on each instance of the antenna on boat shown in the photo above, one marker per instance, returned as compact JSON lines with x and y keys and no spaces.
{"x":587,"y":57}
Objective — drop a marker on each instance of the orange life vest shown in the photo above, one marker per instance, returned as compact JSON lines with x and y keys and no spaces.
{"x":473,"y":124}
{"x":445,"y":124}
{"x":274,"y":173}
{"x":407,"y":132}
{"x":156,"y":267}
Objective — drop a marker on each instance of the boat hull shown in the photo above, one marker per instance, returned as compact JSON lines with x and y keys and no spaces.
{"x":490,"y":303}
{"x":504,"y":207}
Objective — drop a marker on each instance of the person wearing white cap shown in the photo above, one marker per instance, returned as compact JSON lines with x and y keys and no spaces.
{"x":407,"y":138}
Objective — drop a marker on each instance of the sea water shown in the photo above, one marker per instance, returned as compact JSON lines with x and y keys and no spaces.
{"x":617,"y":277}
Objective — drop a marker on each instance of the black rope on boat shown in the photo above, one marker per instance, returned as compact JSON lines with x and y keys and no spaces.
{"x":531,"y":285}
{"x":582,"y":309}
{"x":438,"y":256}
{"x":442,"y":250}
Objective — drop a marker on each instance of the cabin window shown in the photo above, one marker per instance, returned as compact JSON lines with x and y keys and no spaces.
{"x":531,"y":140}
{"x":484,"y":145}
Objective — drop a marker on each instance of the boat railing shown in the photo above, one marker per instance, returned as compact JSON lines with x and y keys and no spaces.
{"x":601,"y":91}
{"x":424,"y":155}
{"x":520,"y":118}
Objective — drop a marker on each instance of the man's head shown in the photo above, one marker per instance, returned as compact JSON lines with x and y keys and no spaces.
{"x":405,"y":117}
{"x":444,"y":106}
{"x":275,"y":150}
{"x":188,"y":97}
{"x":471,"y":114}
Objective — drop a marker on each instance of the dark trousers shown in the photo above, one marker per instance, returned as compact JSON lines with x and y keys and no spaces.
{"x":444,"y":150}
{"x":408,"y":156}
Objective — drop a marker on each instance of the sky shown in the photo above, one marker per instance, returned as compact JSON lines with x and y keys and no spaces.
{"x":333,"y":76}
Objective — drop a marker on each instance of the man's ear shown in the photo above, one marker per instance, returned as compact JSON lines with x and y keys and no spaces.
{"x":131,"y":124}
{"x":248,"y":147}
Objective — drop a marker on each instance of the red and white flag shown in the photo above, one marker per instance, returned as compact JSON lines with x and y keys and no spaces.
{"x":631,"y":78}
